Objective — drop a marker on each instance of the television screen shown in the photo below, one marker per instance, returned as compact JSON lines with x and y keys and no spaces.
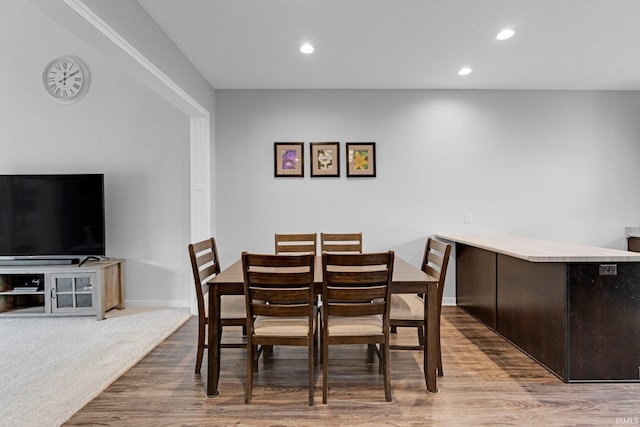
{"x":52,"y":215}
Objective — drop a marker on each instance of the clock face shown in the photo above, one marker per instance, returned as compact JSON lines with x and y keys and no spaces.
{"x":66,"y":79}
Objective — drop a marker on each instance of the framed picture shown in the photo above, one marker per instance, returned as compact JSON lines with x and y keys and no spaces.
{"x":325,"y":159}
{"x":361,"y":159}
{"x":288,"y":159}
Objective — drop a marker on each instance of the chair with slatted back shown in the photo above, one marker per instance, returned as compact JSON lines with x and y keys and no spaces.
{"x":341,"y":242}
{"x":296,"y":243}
{"x":279,"y":295}
{"x":407,"y":310}
{"x":355,"y":308}
{"x":206,"y":265}
{"x":292,"y":244}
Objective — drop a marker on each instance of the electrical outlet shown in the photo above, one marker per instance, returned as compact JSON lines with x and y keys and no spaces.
{"x":467,"y":218}
{"x":608,"y":269}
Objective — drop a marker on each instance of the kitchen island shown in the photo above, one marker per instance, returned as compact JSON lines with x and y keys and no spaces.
{"x":574,"y":309}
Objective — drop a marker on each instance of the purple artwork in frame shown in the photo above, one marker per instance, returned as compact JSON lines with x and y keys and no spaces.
{"x":288,"y":159}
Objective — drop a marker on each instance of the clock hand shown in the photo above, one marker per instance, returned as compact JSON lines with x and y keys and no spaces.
{"x":64,"y":79}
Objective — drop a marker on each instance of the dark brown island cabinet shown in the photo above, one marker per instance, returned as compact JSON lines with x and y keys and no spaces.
{"x":574,"y":309}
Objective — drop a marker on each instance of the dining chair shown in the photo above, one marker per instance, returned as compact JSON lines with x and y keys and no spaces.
{"x":279,"y":300}
{"x":290,"y":244}
{"x":296,"y":243}
{"x":205,"y":265}
{"x":407,"y":310}
{"x":355,"y":307}
{"x":341,"y":242}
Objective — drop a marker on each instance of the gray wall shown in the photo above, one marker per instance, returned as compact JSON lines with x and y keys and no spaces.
{"x":554,"y":165}
{"x":122,"y":129}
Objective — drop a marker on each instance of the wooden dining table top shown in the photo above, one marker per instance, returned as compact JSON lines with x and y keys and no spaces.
{"x":406,"y":277}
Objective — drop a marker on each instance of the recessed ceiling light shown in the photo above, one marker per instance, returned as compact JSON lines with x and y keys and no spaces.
{"x":505,"y":34}
{"x":306,"y":48}
{"x":464,"y":71}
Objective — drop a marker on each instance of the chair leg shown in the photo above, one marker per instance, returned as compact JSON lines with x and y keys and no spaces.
{"x":440,"y":371}
{"x":199,"y":359}
{"x":248,"y":389}
{"x":266,"y":353}
{"x":370,"y":353}
{"x":315,"y":352}
{"x":420,"y":331}
{"x":325,"y":369}
{"x":256,"y":356}
{"x":318,"y":340}
{"x":200,"y":352}
{"x":312,"y":364}
{"x":421,"y":340}
{"x":387,"y":371}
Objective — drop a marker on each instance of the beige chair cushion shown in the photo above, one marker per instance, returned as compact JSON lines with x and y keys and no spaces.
{"x":281,"y":326}
{"x":407,"y":307}
{"x":361,"y":325}
{"x":233,"y":307}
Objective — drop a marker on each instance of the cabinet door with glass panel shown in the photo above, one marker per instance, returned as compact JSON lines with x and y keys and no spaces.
{"x":72,"y":293}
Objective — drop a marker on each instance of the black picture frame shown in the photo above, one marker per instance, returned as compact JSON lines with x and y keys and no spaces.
{"x":325,"y":159}
{"x":288,"y":159}
{"x":361,"y":159}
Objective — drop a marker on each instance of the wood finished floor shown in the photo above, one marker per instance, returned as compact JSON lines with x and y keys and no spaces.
{"x":487,"y":382}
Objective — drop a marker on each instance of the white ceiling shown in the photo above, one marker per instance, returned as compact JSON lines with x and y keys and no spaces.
{"x":407,"y":44}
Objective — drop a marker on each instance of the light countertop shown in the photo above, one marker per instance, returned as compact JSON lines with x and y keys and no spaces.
{"x":539,"y":250}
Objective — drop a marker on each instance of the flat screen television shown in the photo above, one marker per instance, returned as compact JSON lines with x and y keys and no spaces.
{"x":52,"y":216}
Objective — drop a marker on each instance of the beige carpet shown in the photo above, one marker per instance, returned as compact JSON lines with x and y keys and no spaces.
{"x":51,"y":367}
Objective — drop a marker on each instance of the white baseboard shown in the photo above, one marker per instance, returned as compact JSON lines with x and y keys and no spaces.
{"x":157,"y":303}
{"x":449,"y":301}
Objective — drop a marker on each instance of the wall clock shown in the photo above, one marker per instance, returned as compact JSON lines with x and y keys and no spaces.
{"x":66,"y":79}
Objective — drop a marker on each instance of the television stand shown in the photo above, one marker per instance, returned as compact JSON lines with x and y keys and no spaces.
{"x":61,"y":290}
{"x":38,"y":261}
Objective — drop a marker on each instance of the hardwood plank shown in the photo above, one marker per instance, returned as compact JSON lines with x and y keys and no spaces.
{"x":487,"y":382}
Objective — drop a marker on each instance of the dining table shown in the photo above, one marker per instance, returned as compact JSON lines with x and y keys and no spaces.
{"x":406,"y":279}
